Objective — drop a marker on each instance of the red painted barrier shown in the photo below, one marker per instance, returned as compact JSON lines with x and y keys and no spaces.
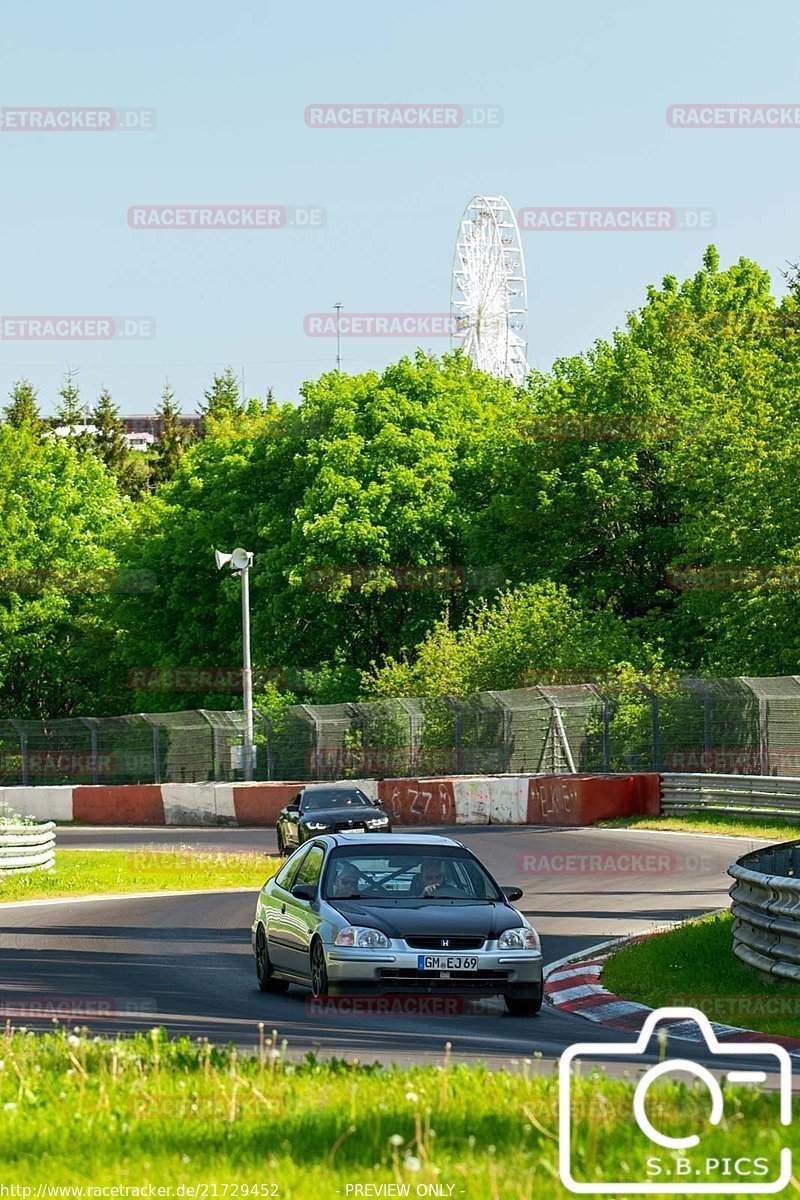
{"x":418,"y":801}
{"x":584,"y":799}
{"x":134,"y":804}
{"x":260,"y":803}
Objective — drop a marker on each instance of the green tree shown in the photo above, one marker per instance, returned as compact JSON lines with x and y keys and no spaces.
{"x":23,"y":410}
{"x":222,"y":399}
{"x":71,"y":413}
{"x":61,"y":518}
{"x":109,"y":436}
{"x":171,"y":440}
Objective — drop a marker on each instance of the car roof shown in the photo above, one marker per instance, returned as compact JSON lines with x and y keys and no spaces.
{"x":330,"y":787}
{"x":392,"y":839}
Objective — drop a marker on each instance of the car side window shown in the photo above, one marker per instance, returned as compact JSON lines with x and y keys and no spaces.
{"x":285,"y":877}
{"x":311,"y":867}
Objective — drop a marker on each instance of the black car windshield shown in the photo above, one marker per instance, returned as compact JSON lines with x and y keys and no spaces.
{"x":323,"y":798}
{"x":407,"y":874}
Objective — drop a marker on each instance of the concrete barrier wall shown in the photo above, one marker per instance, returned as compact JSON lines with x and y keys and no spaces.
{"x":459,"y":800}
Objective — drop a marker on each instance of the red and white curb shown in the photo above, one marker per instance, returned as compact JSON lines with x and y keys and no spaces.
{"x":574,"y":985}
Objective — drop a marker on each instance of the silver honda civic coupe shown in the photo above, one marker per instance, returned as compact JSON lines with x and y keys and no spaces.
{"x":408,"y":913}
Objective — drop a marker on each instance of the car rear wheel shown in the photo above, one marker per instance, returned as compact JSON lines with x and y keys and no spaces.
{"x":266,"y":980}
{"x":319,"y":970}
{"x":524,"y":1006}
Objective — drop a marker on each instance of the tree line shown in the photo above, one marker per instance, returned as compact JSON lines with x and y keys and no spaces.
{"x":628,"y":515}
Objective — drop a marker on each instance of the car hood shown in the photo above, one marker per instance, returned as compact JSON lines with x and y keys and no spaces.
{"x":335,"y":816}
{"x":418,"y":918}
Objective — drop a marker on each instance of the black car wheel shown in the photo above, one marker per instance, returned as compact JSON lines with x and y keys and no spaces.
{"x":266,"y":980}
{"x":524,"y":1006}
{"x":281,"y":847}
{"x":319,"y":970}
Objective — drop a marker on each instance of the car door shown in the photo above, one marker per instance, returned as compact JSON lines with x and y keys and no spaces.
{"x":291,"y":821}
{"x":301,"y":916}
{"x":276,"y":921}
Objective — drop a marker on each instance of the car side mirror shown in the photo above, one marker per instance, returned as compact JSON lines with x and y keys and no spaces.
{"x":293,"y":807}
{"x":512,"y":893}
{"x":306,"y":891}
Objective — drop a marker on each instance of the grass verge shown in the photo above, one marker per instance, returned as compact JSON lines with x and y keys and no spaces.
{"x":695,"y":965}
{"x":83,"y":1111}
{"x":87,"y":872}
{"x":746,"y":826}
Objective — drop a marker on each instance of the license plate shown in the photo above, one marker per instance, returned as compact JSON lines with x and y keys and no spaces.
{"x":355,"y":831}
{"x":447,"y":962}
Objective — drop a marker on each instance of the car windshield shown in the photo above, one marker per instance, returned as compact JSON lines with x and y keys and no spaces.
{"x":332,"y":798}
{"x":442,"y":874}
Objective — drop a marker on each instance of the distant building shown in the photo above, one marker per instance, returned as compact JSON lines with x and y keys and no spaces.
{"x":140,"y":441}
{"x":150,"y":423}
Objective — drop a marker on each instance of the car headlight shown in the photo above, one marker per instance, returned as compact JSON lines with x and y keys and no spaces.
{"x":365,"y":939}
{"x":519,"y":939}
{"x":315,"y":825}
{"x":375,"y":822}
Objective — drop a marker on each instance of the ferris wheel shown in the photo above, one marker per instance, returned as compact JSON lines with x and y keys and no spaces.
{"x":489,"y":294}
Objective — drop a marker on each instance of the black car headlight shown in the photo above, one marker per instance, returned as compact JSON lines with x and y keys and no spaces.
{"x":377,"y":822}
{"x":364,"y":939}
{"x":519,"y":939}
{"x":315,"y":825}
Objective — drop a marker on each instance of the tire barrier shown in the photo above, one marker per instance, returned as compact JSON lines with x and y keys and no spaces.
{"x":26,"y":848}
{"x":765,"y":902}
{"x":451,"y":800}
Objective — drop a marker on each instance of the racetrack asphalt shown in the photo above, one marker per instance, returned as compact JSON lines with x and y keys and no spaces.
{"x":186,"y":961}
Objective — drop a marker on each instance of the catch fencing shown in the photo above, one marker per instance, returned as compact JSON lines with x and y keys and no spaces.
{"x":739,"y":726}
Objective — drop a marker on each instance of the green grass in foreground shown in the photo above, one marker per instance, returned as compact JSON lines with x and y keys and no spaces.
{"x":87,"y":872}
{"x":79,"y":1110}
{"x":695,"y":965}
{"x":748,"y":826}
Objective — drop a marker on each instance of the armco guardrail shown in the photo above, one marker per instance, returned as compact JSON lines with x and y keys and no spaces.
{"x":766,"y":907}
{"x":27,"y":848}
{"x":763,"y":794}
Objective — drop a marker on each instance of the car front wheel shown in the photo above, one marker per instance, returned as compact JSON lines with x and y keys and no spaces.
{"x":266,"y":980}
{"x":319,"y":970}
{"x":524,"y":1006}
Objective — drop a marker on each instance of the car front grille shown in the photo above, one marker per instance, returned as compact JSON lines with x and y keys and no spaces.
{"x":445,"y":942}
{"x":459,"y":981}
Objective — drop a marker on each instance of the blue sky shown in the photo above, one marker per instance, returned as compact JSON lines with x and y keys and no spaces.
{"x":584,"y":90}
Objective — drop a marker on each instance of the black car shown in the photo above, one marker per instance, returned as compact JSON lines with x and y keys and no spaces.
{"x":328,"y":808}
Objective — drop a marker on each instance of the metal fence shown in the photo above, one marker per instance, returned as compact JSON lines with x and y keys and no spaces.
{"x":741,"y":726}
{"x":765,"y":901}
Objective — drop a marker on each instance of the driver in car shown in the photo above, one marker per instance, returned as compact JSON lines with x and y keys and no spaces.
{"x":430,"y":879}
{"x":346,"y":882}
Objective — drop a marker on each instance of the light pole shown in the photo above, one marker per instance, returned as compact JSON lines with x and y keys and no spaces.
{"x":338,"y":306}
{"x":240,"y":561}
